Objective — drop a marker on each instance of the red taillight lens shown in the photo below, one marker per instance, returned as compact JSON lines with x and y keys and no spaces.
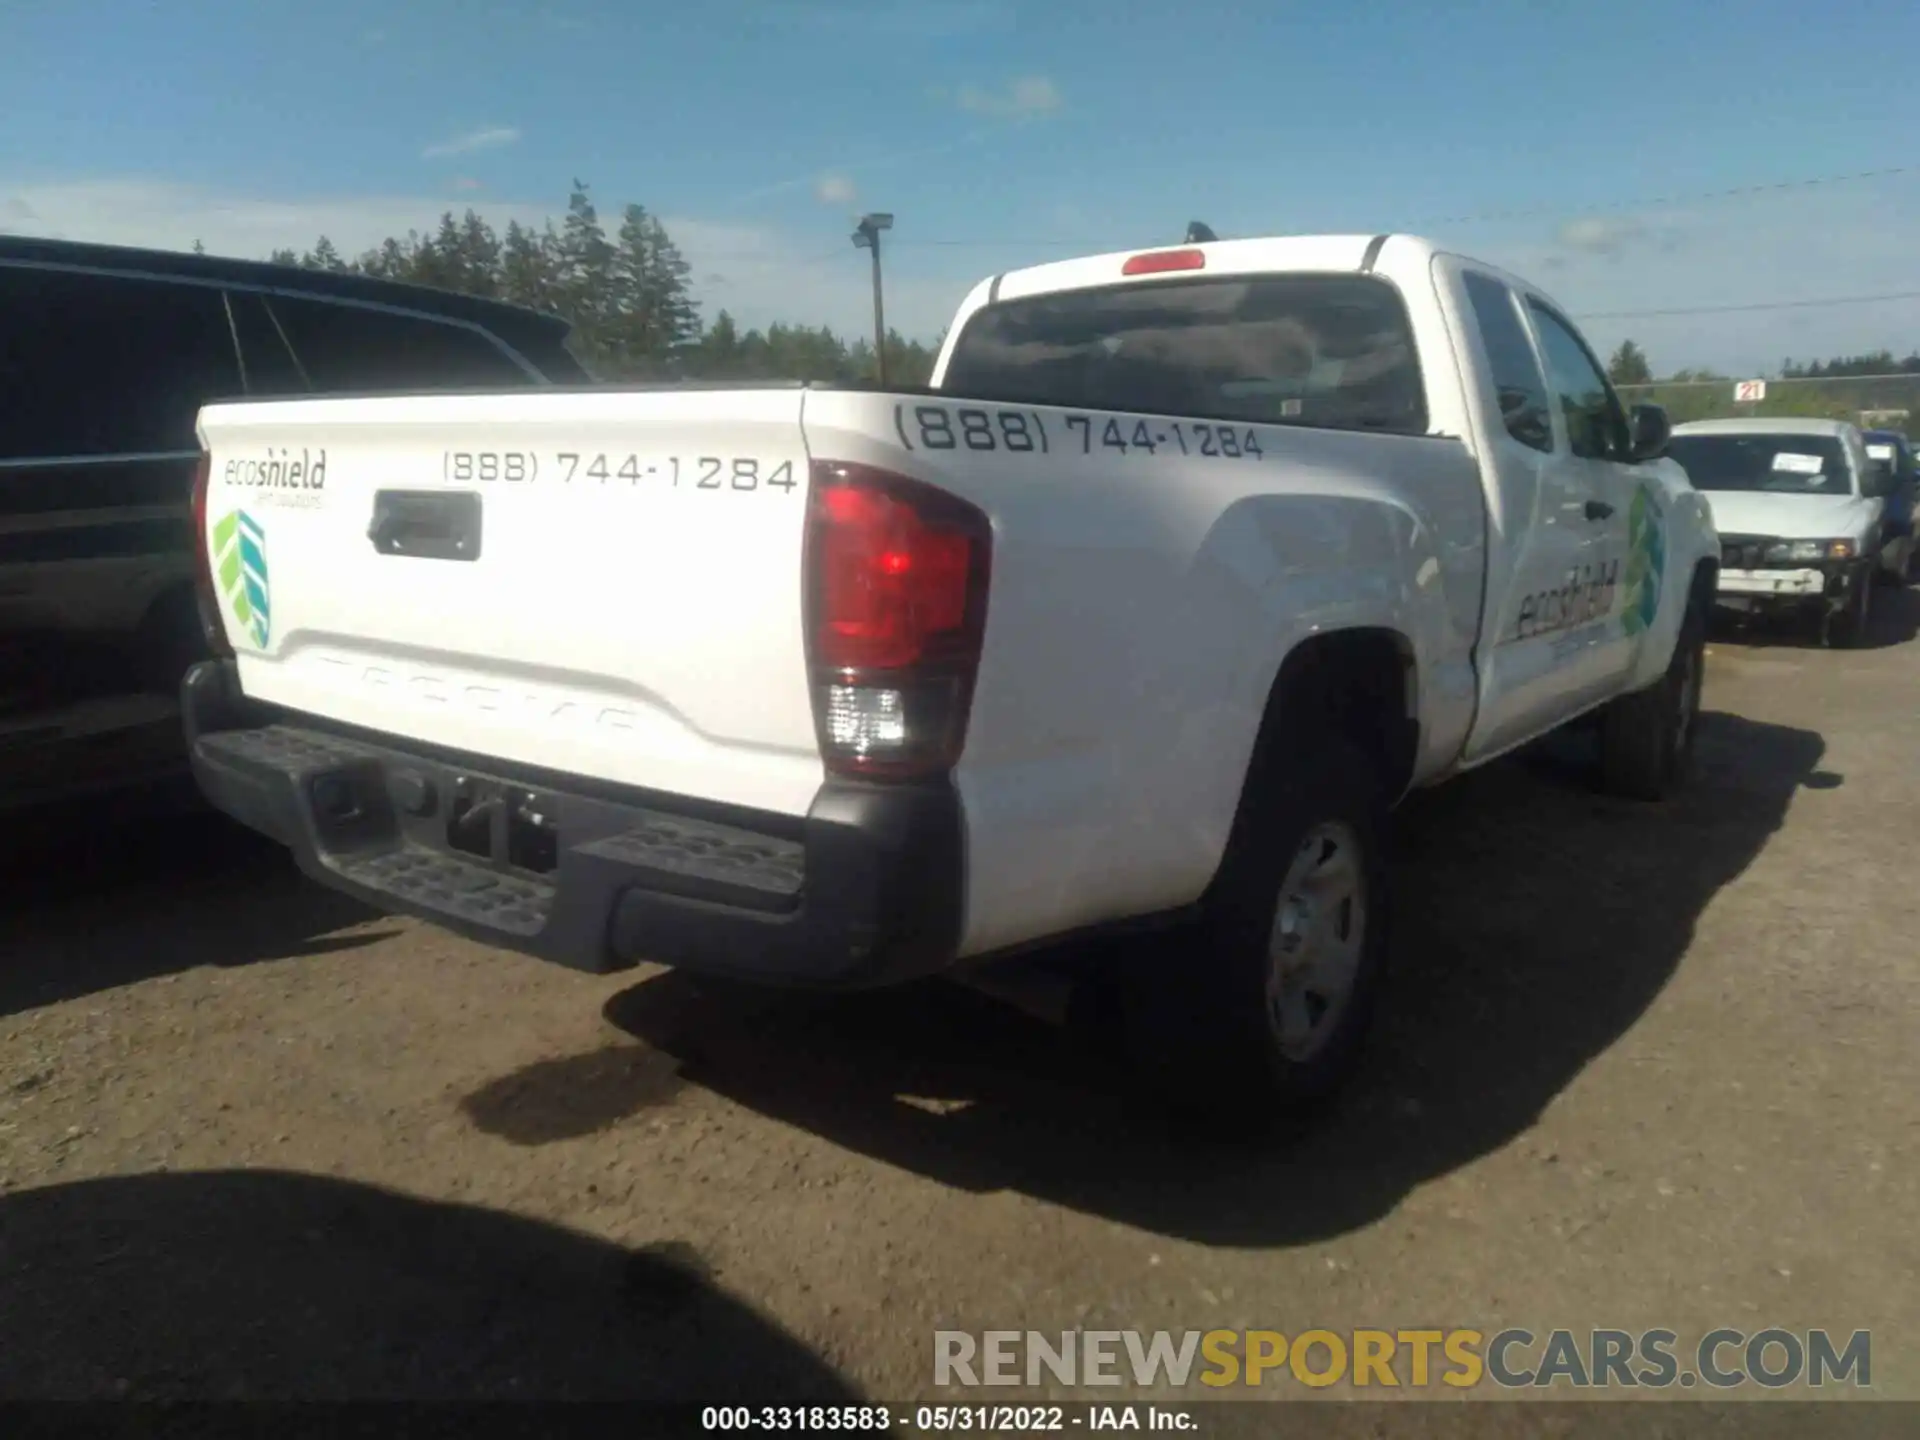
{"x":897,"y":577}
{"x":891,"y":585}
{"x":203,"y":587}
{"x":1159,"y":262}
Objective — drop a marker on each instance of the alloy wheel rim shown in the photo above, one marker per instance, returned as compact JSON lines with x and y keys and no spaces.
{"x":1316,"y":941}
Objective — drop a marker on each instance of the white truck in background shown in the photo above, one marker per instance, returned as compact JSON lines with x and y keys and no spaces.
{"x":1187,"y":567}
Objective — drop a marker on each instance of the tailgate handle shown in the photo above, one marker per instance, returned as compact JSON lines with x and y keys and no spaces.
{"x":426,"y":524}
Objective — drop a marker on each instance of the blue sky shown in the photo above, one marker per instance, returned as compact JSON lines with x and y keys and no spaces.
{"x":1003,"y":133}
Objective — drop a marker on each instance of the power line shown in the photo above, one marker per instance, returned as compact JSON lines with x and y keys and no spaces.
{"x":1522,"y":212}
{"x":1694,"y":198}
{"x":1759,"y":305}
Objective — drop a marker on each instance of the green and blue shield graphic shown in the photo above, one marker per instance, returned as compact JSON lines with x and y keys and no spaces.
{"x":1646,"y":561}
{"x":240,"y":567}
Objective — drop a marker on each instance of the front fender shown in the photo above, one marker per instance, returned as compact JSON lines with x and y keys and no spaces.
{"x":1678,"y":528}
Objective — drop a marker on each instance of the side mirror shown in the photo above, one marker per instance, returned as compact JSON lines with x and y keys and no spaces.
{"x":1648,"y":431}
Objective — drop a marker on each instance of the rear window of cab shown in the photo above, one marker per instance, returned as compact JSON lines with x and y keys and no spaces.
{"x":1333,"y":351}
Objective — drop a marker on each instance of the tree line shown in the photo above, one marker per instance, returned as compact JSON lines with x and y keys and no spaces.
{"x":629,"y":297}
{"x":627,"y":293}
{"x":1704,"y":394}
{"x":1629,"y":366}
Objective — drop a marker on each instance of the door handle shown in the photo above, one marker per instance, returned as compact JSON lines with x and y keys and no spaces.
{"x":1598,"y":510}
{"x":426,"y":524}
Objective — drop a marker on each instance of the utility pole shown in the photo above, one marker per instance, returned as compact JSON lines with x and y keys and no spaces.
{"x":866,"y":236}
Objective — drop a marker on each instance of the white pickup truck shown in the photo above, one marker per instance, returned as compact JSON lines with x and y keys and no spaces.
{"x":1186,"y":568}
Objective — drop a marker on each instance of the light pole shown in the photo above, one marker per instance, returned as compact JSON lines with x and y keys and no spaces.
{"x":866,"y":236}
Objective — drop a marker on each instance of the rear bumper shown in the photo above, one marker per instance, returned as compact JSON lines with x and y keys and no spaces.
{"x":867,"y":889}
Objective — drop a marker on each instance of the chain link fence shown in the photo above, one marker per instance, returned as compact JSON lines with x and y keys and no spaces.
{"x":1883,"y":402}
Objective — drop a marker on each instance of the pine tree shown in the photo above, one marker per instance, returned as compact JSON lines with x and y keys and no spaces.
{"x":323,"y":256}
{"x":1629,"y":365}
{"x":480,"y":254}
{"x":720,"y":353}
{"x":584,"y":285}
{"x":654,"y":318}
{"x":630,"y":299}
{"x":525,"y":271}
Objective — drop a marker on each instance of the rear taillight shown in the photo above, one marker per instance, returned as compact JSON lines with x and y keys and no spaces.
{"x":203,"y":587}
{"x":897,"y":577}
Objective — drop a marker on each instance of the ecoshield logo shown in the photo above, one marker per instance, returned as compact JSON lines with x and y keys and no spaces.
{"x":280,"y":478}
{"x":240,"y":563}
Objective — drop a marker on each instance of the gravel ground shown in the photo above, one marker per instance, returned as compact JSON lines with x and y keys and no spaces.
{"x":1640,"y":1067}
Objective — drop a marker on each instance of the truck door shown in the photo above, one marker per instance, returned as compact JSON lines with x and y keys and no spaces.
{"x":1625,"y":531}
{"x":1541,"y":541}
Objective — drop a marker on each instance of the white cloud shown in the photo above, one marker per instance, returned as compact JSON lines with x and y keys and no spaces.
{"x":1847,"y":241}
{"x":873,"y":160}
{"x":467,"y":182}
{"x":834,"y":190}
{"x":1600,"y":235}
{"x":759,"y":274}
{"x":491,"y":137}
{"x":1765,"y":249}
{"x":169,"y":216}
{"x":1025,"y":98}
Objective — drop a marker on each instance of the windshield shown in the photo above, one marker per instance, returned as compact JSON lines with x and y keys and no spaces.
{"x":1891,"y":451}
{"x":1328,"y":350}
{"x":1777,"y":464}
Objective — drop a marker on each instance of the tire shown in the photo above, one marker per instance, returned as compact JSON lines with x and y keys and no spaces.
{"x":1848,"y":629}
{"x":1209,"y":1039}
{"x":1646,"y":738}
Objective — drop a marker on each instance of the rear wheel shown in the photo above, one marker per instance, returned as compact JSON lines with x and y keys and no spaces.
{"x":1262,"y":1017}
{"x":1646,"y":738}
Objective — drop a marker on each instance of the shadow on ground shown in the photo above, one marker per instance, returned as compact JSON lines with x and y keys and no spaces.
{"x":91,"y":905}
{"x":1894,"y":620}
{"x":266,"y":1284}
{"x":1535,"y":923}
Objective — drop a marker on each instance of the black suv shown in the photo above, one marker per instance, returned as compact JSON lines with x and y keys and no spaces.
{"x":106,"y":356}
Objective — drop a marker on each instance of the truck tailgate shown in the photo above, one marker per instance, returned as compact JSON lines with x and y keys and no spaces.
{"x":600,"y":584}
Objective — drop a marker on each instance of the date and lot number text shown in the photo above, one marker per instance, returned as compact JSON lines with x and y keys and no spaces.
{"x":981,"y":1419}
